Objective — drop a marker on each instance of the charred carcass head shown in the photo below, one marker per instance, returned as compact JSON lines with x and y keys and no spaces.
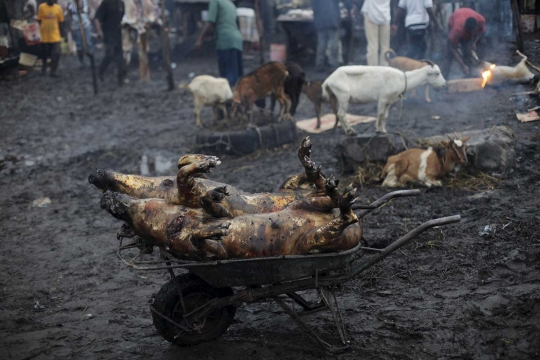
{"x":116,"y":204}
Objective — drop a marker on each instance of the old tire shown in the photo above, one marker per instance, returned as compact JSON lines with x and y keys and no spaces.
{"x":196,"y":292}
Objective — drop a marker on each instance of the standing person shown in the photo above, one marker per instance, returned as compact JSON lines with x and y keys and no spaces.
{"x":108,"y":24}
{"x":76,"y":29}
{"x":377,"y":24}
{"x":246,"y":11}
{"x":327,"y":20}
{"x":222,"y":19}
{"x":50,"y":16}
{"x":419,"y":12}
{"x":465,"y":26}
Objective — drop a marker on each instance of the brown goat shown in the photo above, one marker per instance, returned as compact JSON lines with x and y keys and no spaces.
{"x":313,"y":90}
{"x":424,"y":166}
{"x":404,"y":63}
{"x":265,"y":80}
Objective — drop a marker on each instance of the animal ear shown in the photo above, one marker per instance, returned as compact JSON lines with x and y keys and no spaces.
{"x":464,"y":140}
{"x":445,"y":143}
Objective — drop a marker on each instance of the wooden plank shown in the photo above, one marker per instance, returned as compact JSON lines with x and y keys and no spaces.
{"x":464,"y":85}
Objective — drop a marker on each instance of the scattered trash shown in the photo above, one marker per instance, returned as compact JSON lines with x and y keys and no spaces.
{"x":41,"y":202}
{"x":173,"y":66}
{"x":29,"y":163}
{"x":436,"y":117}
{"x":489,"y":230}
{"x":191,"y":75}
{"x":526,"y":117}
{"x":38,"y":306}
{"x":88,"y":317}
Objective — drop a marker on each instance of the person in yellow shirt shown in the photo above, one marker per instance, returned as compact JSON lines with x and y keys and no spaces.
{"x":50,"y":16}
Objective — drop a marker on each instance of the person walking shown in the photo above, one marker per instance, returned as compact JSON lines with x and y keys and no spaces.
{"x":418,"y":13}
{"x":76,"y":28}
{"x":327,"y":20}
{"x":229,"y":44}
{"x":50,"y":16}
{"x":465,"y":26}
{"x":377,"y":26}
{"x":108,"y":24}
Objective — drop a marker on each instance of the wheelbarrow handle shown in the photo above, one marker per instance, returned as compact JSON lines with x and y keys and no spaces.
{"x":405,"y":239}
{"x":380,"y":202}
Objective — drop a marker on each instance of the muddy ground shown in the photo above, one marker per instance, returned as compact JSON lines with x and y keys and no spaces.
{"x":452,"y":294}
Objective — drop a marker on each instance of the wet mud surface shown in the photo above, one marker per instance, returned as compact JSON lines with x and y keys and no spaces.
{"x":451,"y":294}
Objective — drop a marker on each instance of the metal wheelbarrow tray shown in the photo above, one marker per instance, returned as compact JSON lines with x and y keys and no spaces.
{"x":199,"y":305}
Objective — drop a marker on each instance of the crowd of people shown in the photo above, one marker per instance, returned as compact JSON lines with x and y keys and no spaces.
{"x":234,"y":27}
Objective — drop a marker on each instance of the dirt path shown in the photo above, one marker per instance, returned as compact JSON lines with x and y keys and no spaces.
{"x":64,"y":294}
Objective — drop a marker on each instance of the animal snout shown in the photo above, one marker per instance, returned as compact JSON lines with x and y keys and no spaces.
{"x":97,"y":178}
{"x":114,"y":203}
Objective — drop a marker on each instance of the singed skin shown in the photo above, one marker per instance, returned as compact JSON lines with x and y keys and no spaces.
{"x":238,"y":203}
{"x":306,"y":226}
{"x":190,"y":185}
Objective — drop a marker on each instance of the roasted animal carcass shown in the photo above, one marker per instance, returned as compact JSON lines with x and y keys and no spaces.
{"x":305,"y":226}
{"x":190,"y":184}
{"x":215,"y":221}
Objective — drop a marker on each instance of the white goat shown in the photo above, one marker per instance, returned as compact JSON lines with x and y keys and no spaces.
{"x":209,"y":91}
{"x":365,"y":84}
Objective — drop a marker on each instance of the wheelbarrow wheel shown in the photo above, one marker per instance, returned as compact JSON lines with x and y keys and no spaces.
{"x":167,"y":305}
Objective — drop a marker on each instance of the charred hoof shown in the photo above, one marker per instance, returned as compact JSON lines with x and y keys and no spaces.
{"x":331,"y":183}
{"x":349,"y":197}
{"x":209,"y":163}
{"x":211,"y":200}
{"x":193,"y":158}
{"x":125,"y":232}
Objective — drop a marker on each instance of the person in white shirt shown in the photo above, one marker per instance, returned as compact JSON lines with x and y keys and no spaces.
{"x":419,"y":12}
{"x":377,"y":27}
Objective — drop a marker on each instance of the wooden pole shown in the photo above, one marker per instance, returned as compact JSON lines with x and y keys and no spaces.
{"x":260,"y":29}
{"x":165,"y":47}
{"x":517,"y":23}
{"x":85,"y":48}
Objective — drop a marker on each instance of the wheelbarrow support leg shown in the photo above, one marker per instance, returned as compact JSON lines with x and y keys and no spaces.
{"x":328,"y":347}
{"x":329,"y":297}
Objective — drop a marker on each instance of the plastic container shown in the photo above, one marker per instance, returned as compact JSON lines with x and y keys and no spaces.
{"x":27,"y":59}
{"x":528,"y":23}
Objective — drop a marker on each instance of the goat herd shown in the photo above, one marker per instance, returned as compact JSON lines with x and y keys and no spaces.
{"x":351,"y":84}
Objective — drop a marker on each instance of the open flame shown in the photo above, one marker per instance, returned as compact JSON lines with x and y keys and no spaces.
{"x":486,"y":75}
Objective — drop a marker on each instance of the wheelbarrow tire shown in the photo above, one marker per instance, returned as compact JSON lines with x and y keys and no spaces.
{"x":195,"y":292}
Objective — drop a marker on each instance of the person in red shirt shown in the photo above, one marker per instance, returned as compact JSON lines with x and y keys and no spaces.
{"x":466,"y":26}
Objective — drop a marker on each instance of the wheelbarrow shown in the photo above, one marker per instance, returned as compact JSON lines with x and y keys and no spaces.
{"x":200,"y":304}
